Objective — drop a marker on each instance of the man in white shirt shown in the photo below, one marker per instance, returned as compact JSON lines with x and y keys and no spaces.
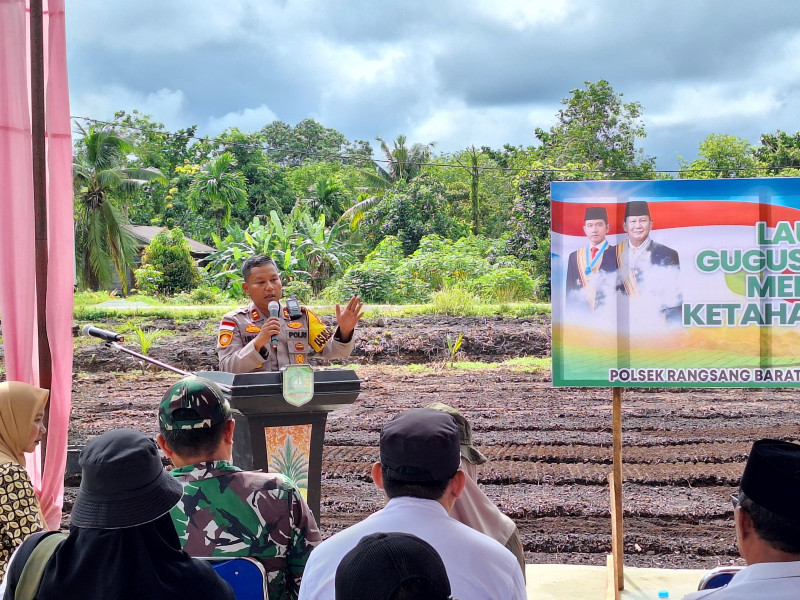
{"x":419,"y":472}
{"x":767,"y":520}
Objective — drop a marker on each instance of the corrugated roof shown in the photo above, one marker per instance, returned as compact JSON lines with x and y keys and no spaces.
{"x":146,"y":233}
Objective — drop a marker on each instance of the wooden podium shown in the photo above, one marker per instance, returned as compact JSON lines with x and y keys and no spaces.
{"x":273,"y":435}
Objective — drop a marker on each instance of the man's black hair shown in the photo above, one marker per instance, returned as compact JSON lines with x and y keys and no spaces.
{"x":779,"y":532}
{"x":257,"y":260}
{"x":427,"y":490}
{"x":192,"y":442}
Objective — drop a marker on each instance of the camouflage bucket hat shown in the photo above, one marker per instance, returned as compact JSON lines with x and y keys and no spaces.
{"x":468,"y":450}
{"x":193,"y":403}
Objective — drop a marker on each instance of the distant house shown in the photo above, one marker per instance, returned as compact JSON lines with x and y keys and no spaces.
{"x":144,"y":234}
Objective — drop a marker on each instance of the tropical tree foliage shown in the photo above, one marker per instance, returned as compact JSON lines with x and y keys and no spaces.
{"x":217,"y":190}
{"x":102,"y":185}
{"x":780,"y":152}
{"x":304,"y":248}
{"x":597,"y":129}
{"x":309,"y":141}
{"x":338,"y":219}
{"x":721,"y":156}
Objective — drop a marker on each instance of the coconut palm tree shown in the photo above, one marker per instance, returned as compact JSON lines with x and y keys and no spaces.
{"x":103,"y":241}
{"x":217,"y":189}
{"x":400,"y":163}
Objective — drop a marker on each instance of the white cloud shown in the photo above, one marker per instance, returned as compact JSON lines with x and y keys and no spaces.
{"x":102,"y":102}
{"x":522,"y":14}
{"x":455,"y":126}
{"x":690,"y":105}
{"x":248,"y":119}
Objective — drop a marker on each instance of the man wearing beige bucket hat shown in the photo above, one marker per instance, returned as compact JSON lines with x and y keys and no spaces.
{"x":473,"y":507}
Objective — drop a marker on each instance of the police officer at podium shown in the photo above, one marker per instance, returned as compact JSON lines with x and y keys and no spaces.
{"x":267,"y":335}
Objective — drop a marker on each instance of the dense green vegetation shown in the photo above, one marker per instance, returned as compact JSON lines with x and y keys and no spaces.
{"x":406,"y":225}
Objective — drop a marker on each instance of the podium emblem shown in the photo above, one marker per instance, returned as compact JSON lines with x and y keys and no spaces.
{"x":298,"y":384}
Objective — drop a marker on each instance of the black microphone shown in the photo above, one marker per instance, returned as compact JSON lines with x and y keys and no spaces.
{"x":274,"y":311}
{"x":103,"y":334}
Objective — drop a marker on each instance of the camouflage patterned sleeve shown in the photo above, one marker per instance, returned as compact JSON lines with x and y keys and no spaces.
{"x":305,"y":535}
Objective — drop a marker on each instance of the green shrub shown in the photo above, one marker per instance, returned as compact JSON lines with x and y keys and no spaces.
{"x":205,"y":295}
{"x":149,"y":280}
{"x":390,"y":251}
{"x":541,"y":266}
{"x":455,"y":301}
{"x":374,"y":281}
{"x":200,"y":295}
{"x":440,"y":262}
{"x":508,"y":284}
{"x":169,"y":254}
{"x":301,"y":289}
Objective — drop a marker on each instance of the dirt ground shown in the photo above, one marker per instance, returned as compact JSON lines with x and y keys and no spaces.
{"x":549,"y":448}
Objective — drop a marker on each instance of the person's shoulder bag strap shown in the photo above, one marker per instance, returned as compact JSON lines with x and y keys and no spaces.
{"x":32,"y":572}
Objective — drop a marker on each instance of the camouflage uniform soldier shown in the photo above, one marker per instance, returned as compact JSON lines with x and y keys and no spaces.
{"x":227,"y":512}
{"x":244,"y":342}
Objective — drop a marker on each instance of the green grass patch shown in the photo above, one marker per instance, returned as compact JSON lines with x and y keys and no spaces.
{"x":179,"y":313}
{"x":453,"y":303}
{"x":526,"y":364}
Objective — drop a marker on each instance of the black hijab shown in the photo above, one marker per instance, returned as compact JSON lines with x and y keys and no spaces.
{"x":134,"y":563}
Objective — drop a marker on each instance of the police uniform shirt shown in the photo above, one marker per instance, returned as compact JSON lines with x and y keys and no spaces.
{"x":297,"y":340}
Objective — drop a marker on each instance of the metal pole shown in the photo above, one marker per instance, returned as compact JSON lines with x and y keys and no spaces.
{"x":163,"y":365}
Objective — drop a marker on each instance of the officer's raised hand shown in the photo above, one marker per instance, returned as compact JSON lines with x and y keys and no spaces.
{"x":349,"y":318}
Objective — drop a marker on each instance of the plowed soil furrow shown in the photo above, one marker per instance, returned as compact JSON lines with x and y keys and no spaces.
{"x":704,"y":453}
{"x":549,"y":449}
{"x":510,"y":473}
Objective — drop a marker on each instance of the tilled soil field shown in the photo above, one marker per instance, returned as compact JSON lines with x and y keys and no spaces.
{"x":549,"y":448}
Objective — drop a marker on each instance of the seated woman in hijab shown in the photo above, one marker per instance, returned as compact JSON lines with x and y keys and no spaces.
{"x":21,"y":429}
{"x":122,"y":543}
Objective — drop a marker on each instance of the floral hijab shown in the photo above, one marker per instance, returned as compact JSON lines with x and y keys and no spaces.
{"x":19,"y":403}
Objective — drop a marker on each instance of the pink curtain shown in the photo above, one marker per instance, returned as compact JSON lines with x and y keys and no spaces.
{"x":17,"y":260}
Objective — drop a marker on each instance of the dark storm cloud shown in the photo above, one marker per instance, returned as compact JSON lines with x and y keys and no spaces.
{"x":686,"y":41}
{"x":449,"y":70}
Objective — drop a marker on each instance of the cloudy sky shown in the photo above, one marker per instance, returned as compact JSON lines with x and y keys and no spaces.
{"x":457,"y":72}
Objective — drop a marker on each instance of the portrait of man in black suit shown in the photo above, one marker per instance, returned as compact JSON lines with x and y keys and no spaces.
{"x":590,"y":269}
{"x":646,"y":268}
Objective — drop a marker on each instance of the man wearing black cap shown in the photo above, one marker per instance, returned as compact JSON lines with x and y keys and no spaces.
{"x":419,"y":472}
{"x":590,"y":270}
{"x":226,"y":512}
{"x":767,"y":521}
{"x":647,"y":268}
{"x":384,"y":566}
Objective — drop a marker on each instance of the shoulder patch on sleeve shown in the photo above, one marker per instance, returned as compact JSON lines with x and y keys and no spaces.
{"x":225,"y":337}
